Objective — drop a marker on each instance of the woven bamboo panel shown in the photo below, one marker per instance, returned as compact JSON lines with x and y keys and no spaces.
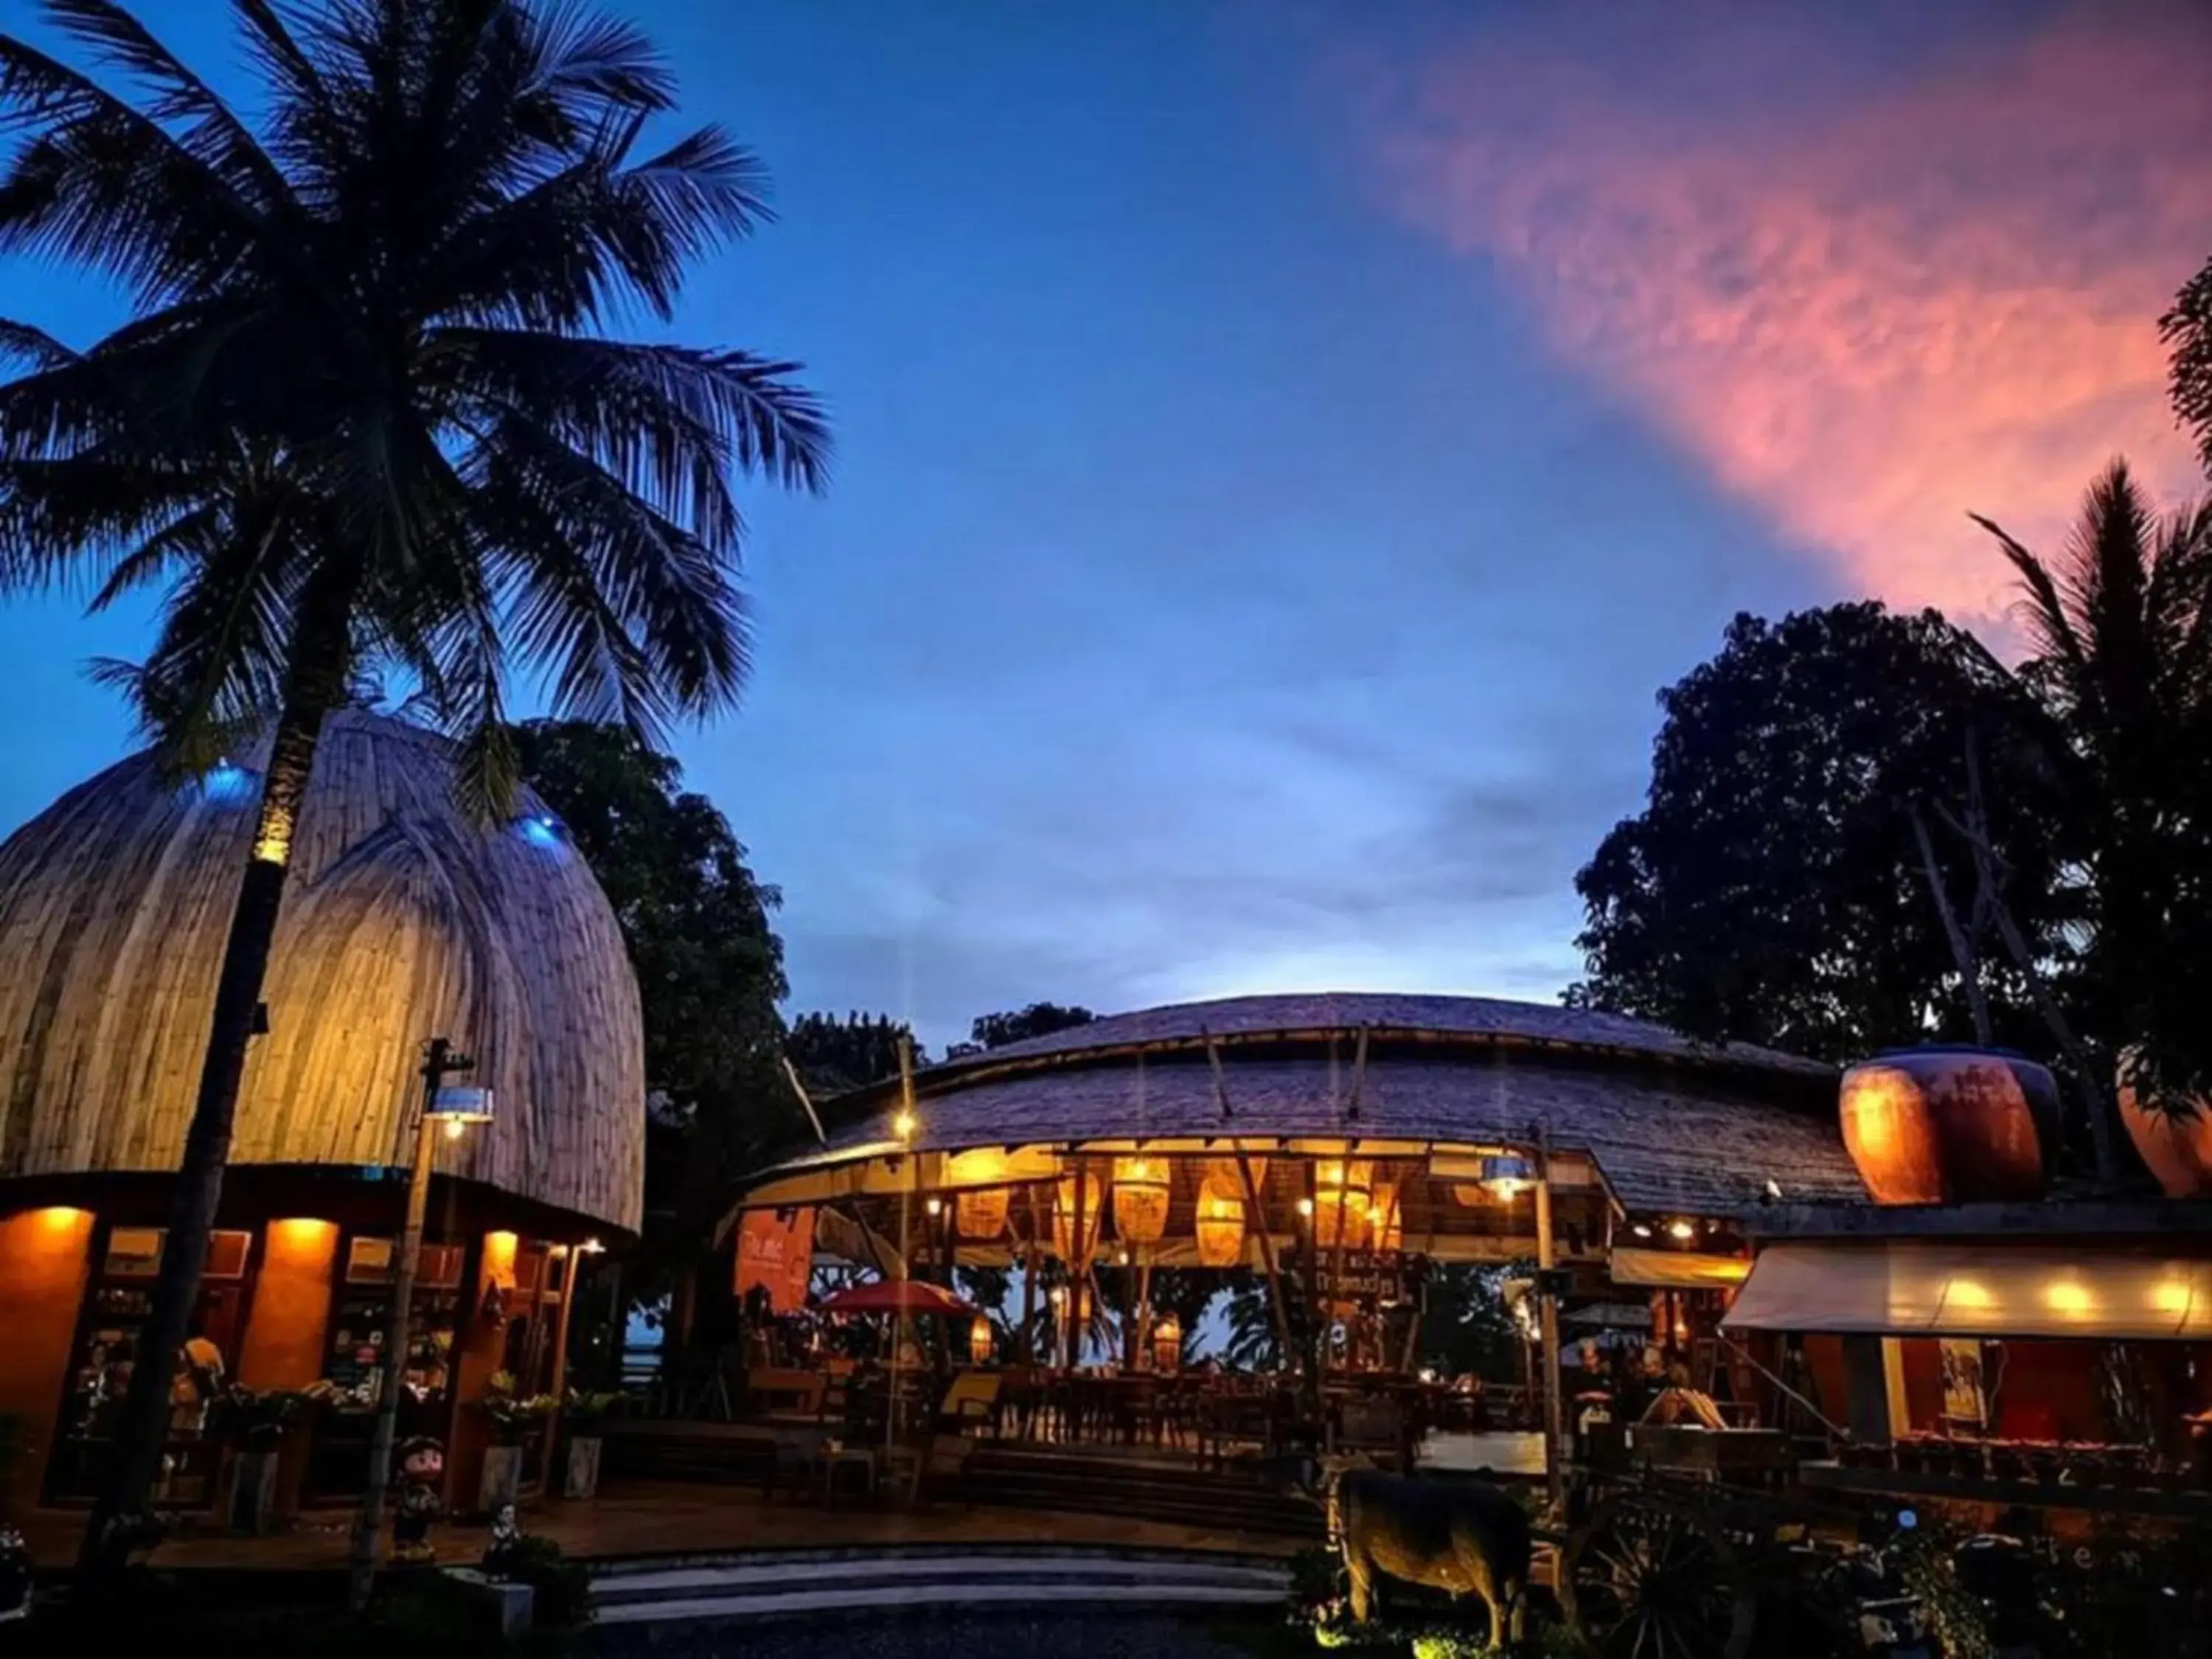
{"x":402,"y":919}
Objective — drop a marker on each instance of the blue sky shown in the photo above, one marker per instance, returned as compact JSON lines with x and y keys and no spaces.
{"x":1274,"y":471}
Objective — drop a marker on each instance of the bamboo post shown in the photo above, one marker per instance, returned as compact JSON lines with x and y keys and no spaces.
{"x":1547,"y":1309}
{"x":1079,"y":1275}
{"x":1256,"y":1214}
{"x":1317,"y":1309}
{"x":1036,"y":1262}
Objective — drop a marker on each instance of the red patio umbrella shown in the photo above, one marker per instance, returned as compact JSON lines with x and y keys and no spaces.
{"x":913,"y":1296}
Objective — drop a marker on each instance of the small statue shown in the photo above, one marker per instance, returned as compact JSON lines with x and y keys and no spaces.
{"x":498,"y":1550}
{"x":15,"y":1577}
{"x":421,"y":1472}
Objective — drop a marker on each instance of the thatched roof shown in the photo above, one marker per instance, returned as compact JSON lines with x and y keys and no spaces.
{"x":402,"y":919}
{"x":1673,"y":1125}
{"x":1233,"y":1020}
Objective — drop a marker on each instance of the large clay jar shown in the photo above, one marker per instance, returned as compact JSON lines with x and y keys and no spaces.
{"x":2177,"y":1150}
{"x":1950,"y":1125}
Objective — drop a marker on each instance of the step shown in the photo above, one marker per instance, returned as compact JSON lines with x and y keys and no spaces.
{"x":750,"y":1575}
{"x":790,"y":1603}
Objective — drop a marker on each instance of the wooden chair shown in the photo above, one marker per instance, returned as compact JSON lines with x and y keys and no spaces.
{"x":971,"y":1401}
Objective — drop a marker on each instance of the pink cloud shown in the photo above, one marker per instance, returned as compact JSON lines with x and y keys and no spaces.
{"x":1862,"y":314}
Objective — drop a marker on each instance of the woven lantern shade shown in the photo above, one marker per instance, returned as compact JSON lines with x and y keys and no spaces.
{"x":1141,"y":1199}
{"x":1064,"y":1242}
{"x":1343,"y":1189}
{"x":981,"y":1214}
{"x":1386,"y":1217}
{"x":979,"y":1211}
{"x":1220,"y":1222}
{"x":980,"y":1345}
{"x":1167,"y":1345}
{"x":1227,"y":1172}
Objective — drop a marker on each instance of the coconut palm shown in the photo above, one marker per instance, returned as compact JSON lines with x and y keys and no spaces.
{"x":363,"y":415}
{"x":2121,"y":626}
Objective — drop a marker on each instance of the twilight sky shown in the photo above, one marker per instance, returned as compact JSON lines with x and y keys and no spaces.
{"x":1282,"y":450}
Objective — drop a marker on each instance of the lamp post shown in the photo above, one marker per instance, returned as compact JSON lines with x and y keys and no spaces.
{"x":452,"y":1109}
{"x":903,"y":1125}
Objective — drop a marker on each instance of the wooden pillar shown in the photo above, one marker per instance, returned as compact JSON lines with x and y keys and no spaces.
{"x":283,"y":1346}
{"x":45,"y":1260}
{"x":1547,"y":1308}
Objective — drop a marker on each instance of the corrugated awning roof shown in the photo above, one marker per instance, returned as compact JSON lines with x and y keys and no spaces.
{"x":1927,"y":1287}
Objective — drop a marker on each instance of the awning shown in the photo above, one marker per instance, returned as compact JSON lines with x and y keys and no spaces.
{"x":1678,"y":1270}
{"x":1929,"y":1287}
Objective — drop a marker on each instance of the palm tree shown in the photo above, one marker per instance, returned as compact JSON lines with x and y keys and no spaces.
{"x":363,"y":414}
{"x":2121,"y":626}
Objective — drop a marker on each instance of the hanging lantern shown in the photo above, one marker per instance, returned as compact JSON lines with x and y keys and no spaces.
{"x":1167,"y":1345}
{"x":1505,"y":1177}
{"x":1386,"y":1220}
{"x":1064,"y":1242}
{"x":1141,"y":1199}
{"x":1228,"y":1172}
{"x":981,"y":1214}
{"x":980,"y":1210}
{"x":1343,"y":1188}
{"x":980,"y":1345}
{"x":1220,"y":1223}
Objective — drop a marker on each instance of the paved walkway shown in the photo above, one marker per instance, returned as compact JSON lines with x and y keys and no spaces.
{"x":641,"y":1519}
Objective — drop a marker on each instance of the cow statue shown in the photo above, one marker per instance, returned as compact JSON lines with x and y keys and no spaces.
{"x":1465,"y":1538}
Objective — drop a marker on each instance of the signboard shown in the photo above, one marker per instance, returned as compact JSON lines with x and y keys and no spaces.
{"x":776,"y":1251}
{"x":1376,"y":1276}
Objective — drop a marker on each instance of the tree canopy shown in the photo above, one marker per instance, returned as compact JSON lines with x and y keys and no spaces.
{"x":834,"y":1055}
{"x":708,"y":964}
{"x":1772,"y":890}
{"x":996,"y":1030}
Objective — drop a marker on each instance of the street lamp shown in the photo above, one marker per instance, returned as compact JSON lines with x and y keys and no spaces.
{"x":456,"y":1108}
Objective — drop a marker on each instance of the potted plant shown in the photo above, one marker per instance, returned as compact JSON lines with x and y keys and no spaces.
{"x":514,"y":1417}
{"x":255,"y":1422}
{"x":580,"y":1412}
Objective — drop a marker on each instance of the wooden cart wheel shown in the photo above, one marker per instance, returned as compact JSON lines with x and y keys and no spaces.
{"x":1644,"y":1581}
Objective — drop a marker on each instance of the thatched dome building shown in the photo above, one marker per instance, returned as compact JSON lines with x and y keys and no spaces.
{"x":402,"y":919}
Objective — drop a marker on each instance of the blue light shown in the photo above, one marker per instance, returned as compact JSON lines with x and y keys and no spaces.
{"x":542,"y":829}
{"x":224,"y":782}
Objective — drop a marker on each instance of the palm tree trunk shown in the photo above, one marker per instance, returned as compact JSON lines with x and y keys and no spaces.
{"x":314,"y":685}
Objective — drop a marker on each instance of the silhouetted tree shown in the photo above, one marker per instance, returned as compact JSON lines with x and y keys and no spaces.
{"x":1772,"y":889}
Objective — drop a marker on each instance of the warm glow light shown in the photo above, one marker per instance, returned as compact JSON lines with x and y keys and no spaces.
{"x":2068,"y":1296}
{"x":1057,"y":1295}
{"x":934,"y":1205}
{"x":904,"y":1124}
{"x":57,"y":1217}
{"x":2172,"y":1296}
{"x":590,"y":1247}
{"x":1509,"y":1188}
{"x":455,"y":1128}
{"x":1968,"y":1293}
{"x":1428,"y":1374}
{"x":1121,"y":1258}
{"x":1641,"y":1230}
{"x":1305,"y":1207}
{"x":1682,"y":1231}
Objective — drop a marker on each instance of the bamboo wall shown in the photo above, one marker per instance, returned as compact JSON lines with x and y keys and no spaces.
{"x":402,"y":920}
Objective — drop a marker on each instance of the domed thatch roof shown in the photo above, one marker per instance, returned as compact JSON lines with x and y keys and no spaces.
{"x":402,"y":920}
